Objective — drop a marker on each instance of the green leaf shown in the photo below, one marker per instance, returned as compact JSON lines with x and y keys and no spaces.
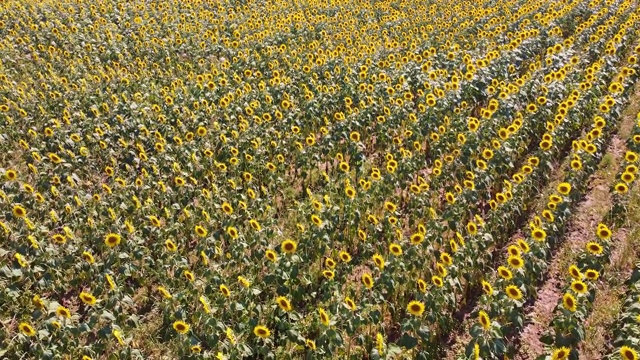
{"x":407,"y":341}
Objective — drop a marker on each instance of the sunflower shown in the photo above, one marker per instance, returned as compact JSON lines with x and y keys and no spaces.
{"x":515,"y":262}
{"x":484,"y":319}
{"x":227,"y":208}
{"x":513,"y":292}
{"x":38,"y":302}
{"x":225,"y":290}
{"x":316,"y":220}
{"x":19,"y":211}
{"x":344,"y":256}
{"x":350,"y":192}
{"x":446,"y":258}
{"x":310,"y":344}
{"x":415,"y":308}
{"x":63,"y":312}
{"x":628,"y":353}
{"x":486,"y":287}
{"x":88,"y":257}
{"x":189,"y":275}
{"x":11,"y":175}
{"x":244,"y":282}
{"x":200,"y":231}
{"x":283,"y":303}
{"x":112,"y":240}
{"x":395,"y":249}
{"x":603,"y":232}
{"x":349,"y":303}
{"x":556,"y":199}
{"x":437,"y":281}
{"x":328,"y":274}
{"x":367,"y":280}
{"x":164,"y":292}
{"x":576,"y":164}
{"x":472,"y":228}
{"x":271,"y":255}
{"x":289,"y":246}
{"x":59,"y":239}
{"x":181,"y":327}
{"x":569,"y":302}
{"x":548,"y":215}
{"x":538,"y":234}
{"x":233,"y":232}
{"x":621,"y":188}
{"x":417,"y":238}
{"x":330,"y":263}
{"x":379,"y":261}
{"x":579,"y":287}
{"x":196,"y":349}
{"x":171,"y":246}
{"x":87,"y":298}
{"x":451,"y":199}
{"x":575,"y":272}
{"x":324,"y":316}
{"x":27,"y":329}
{"x":594,"y":248}
{"x":504,"y":273}
{"x":591,"y":274}
{"x":560,"y":354}
{"x":389,"y":206}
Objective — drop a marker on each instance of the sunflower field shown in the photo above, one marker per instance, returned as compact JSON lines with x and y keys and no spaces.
{"x":271,"y":179}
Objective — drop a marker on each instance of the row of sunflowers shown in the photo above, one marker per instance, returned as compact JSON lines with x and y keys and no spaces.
{"x":566,"y":330}
{"x":501,"y":312}
{"x":278,"y":179}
